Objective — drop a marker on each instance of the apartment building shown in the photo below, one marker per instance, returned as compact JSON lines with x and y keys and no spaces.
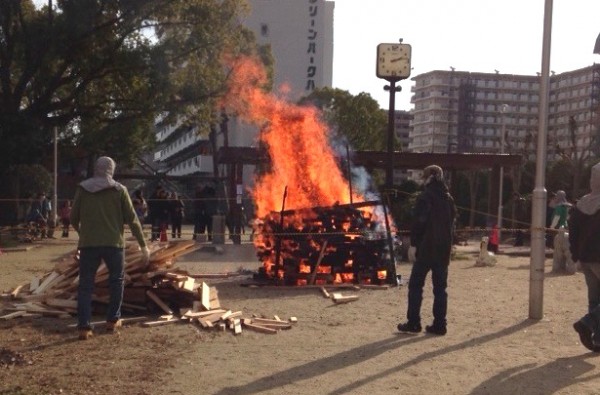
{"x":402,"y":124}
{"x":458,"y":111}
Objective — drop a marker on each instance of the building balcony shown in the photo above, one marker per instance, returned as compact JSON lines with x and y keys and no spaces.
{"x":197,"y":164}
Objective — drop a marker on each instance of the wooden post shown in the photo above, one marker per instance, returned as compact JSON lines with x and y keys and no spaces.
{"x":278,"y":238}
{"x":314,"y":273}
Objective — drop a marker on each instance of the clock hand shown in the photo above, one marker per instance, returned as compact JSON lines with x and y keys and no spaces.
{"x":395,"y":60}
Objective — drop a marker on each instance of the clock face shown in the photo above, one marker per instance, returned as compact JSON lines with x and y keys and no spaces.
{"x":393,"y":61}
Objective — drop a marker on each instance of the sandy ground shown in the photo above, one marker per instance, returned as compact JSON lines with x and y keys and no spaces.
{"x":491,"y":346}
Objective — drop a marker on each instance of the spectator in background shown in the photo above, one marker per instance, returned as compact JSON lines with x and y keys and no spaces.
{"x":199,"y":214}
{"x":494,"y":240}
{"x":562,"y":261}
{"x":140,"y":205}
{"x":560,"y":210}
{"x":205,"y":206}
{"x":51,"y":219}
{"x":154,"y":209}
{"x":211,"y":209}
{"x":176,"y":208}
{"x":65,"y":217}
{"x":38,"y":213}
{"x":235,"y":222}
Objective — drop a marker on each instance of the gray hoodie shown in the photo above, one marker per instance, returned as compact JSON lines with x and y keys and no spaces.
{"x":103,"y":176}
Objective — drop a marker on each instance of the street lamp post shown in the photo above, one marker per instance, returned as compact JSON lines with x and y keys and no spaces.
{"x":54,"y":213}
{"x":393,"y":65}
{"x":389,"y":174}
{"x":538,"y":211}
{"x":503,"y":110}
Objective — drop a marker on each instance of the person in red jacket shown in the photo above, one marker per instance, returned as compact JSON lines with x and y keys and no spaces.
{"x":493,"y":241}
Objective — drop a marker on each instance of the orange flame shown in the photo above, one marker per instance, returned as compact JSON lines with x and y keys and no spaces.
{"x":297,"y":142}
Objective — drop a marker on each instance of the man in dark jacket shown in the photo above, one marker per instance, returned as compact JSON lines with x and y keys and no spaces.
{"x":430,"y":247}
{"x":584,"y":237}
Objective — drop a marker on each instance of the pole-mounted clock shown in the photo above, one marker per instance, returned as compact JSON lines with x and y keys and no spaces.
{"x":393,"y":61}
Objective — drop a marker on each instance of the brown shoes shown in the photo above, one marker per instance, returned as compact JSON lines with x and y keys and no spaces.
{"x":85,"y":334}
{"x":112,"y":326}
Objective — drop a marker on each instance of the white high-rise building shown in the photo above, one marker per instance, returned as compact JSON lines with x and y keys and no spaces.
{"x":300,"y":35}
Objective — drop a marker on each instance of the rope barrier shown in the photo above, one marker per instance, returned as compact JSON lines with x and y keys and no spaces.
{"x":526,"y":227}
{"x":380,"y":233}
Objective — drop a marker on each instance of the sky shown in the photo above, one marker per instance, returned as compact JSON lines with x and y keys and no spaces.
{"x":469,"y":35}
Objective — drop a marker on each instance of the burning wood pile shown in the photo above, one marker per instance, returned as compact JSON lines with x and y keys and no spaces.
{"x":335,"y":242}
{"x":324,"y":245}
{"x":154,"y":288}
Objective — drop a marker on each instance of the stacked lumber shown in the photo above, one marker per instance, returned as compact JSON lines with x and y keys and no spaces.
{"x":55,"y":293}
{"x":154,"y":287}
{"x":63,"y":280}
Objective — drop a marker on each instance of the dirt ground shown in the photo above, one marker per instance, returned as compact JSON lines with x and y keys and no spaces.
{"x":491,"y":346}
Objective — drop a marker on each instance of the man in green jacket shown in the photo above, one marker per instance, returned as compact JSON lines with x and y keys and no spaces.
{"x":101,"y":208}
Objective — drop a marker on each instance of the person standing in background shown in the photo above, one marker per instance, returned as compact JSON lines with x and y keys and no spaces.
{"x":431,"y":238}
{"x":211,"y":209}
{"x":205,"y":206}
{"x":562,"y":261}
{"x":140,"y":205}
{"x":51,"y":217}
{"x":154,"y":208}
{"x":176,"y":208}
{"x":100,"y":210}
{"x":36,"y":214}
{"x":199,"y":213}
{"x":65,"y":217}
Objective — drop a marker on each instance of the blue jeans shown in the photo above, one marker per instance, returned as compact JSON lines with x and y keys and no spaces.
{"x":439,"y":277}
{"x":89,"y":260}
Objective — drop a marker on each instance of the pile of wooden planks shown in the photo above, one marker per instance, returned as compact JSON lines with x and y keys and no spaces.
{"x":154,"y":287}
{"x":55,"y":292}
{"x":223,"y":320}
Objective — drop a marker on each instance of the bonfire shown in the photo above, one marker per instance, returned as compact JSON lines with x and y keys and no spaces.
{"x":312,"y":227}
